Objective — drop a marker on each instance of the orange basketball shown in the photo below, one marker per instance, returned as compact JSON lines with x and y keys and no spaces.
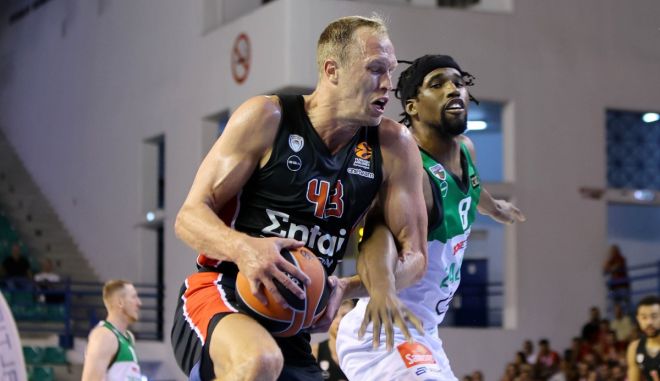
{"x":283,"y":321}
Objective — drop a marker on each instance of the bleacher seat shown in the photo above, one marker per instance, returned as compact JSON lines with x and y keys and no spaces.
{"x":33,"y":355}
{"x":41,"y":373}
{"x":54,"y":356}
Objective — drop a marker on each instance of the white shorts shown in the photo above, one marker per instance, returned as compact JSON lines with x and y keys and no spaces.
{"x":424,"y":360}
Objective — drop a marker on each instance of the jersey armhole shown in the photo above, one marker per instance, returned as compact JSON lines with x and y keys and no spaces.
{"x":436,"y":215}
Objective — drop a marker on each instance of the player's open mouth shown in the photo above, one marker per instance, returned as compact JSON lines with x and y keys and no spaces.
{"x":455,"y":106}
{"x":380,"y":103}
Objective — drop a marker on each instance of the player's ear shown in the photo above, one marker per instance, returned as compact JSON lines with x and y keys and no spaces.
{"x":330,"y":70}
{"x":411,"y":107}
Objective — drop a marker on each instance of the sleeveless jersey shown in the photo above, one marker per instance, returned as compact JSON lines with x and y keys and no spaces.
{"x":454,"y":208}
{"x":304,"y":191}
{"x":124,"y":366}
{"x":644,"y":361}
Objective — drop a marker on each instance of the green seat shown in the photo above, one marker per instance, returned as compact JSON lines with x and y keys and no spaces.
{"x":54,"y":355}
{"x":41,"y":373}
{"x":32,"y":355}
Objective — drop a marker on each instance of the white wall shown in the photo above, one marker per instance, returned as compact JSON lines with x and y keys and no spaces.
{"x":88,"y":84}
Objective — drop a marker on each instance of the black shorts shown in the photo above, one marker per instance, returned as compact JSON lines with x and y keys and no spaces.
{"x":207,"y":297}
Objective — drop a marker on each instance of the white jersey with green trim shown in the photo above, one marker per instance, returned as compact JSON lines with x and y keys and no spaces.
{"x":124,"y":366}
{"x":455,"y":203}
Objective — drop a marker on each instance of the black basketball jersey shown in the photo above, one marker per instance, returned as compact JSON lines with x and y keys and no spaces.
{"x":305,"y":192}
{"x":644,"y":361}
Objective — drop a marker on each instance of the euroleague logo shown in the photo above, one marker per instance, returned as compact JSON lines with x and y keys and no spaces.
{"x":363,"y":151}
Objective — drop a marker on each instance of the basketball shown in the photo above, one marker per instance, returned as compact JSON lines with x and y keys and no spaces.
{"x":283,"y":321}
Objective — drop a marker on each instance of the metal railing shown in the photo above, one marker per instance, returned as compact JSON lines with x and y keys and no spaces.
{"x":71,"y":309}
{"x":642,"y":280}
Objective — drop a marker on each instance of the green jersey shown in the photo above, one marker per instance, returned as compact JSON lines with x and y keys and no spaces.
{"x":124,"y":366}
{"x":454,"y":208}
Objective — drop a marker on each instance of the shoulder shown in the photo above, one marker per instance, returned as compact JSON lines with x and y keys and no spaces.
{"x":392,"y":133}
{"x":264,"y":108}
{"x":632,"y":347}
{"x":102,"y":334}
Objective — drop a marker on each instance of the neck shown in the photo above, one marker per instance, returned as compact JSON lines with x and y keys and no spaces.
{"x":323,"y":112}
{"x":116,"y":320}
{"x":444,"y":149}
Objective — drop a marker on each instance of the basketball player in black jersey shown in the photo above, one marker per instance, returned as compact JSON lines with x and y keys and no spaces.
{"x":643,"y":355}
{"x":290,"y":171}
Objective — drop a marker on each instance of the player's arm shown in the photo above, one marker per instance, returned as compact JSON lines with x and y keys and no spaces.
{"x":633,"y":370}
{"x":245,"y":144}
{"x":500,"y":210}
{"x":394,"y":253}
{"x":101,"y":349}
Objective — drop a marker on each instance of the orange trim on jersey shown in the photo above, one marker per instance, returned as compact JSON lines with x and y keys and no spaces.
{"x":203,"y":299}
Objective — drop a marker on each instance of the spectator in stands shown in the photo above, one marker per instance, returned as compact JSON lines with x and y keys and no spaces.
{"x":590,"y":329}
{"x":510,"y":372}
{"x":528,"y":350}
{"x":643,"y":355}
{"x":526,"y":373}
{"x":585,"y":372}
{"x":547,"y":361}
{"x":579,"y":348}
{"x":622,"y":325}
{"x":47,"y":280}
{"x":16,"y":268}
{"x":564,"y":372}
{"x":477,"y":376}
{"x":110,"y":353}
{"x":520,"y":359}
{"x":617,"y":272}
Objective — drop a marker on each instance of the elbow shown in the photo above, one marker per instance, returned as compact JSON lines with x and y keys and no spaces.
{"x":179,"y":222}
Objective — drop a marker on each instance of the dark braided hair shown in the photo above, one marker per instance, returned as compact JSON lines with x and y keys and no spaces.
{"x":411,"y":79}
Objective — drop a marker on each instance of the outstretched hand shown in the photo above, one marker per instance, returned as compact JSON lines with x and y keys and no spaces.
{"x":384,"y":309}
{"x":507,"y":213}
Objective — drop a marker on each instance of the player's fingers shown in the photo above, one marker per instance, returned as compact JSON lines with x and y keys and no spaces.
{"x":416,"y":323}
{"x":389,"y":334}
{"x":288,"y":243}
{"x":255,"y":289}
{"x":272,"y":290}
{"x":376,"y":333}
{"x":363,"y":327}
{"x":401,"y":323}
{"x":289,"y":283}
{"x":518,"y":214}
{"x":289,"y":268}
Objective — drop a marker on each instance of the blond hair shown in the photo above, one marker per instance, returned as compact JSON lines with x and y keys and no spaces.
{"x":337,"y":38}
{"x":111,"y":287}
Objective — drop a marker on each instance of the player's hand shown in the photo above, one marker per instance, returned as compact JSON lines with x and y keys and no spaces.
{"x":261,"y":263}
{"x":334,"y":301}
{"x":384,"y":309}
{"x":507,"y":213}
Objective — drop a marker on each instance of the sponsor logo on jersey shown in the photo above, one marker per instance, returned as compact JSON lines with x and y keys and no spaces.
{"x":415,"y":354}
{"x":296,"y":142}
{"x":294,"y":163}
{"x":460,"y":246}
{"x":315,"y":239}
{"x":366,"y":164}
{"x":359,"y":172}
{"x":439,"y":171}
{"x":363,"y":151}
{"x":474,"y":179}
